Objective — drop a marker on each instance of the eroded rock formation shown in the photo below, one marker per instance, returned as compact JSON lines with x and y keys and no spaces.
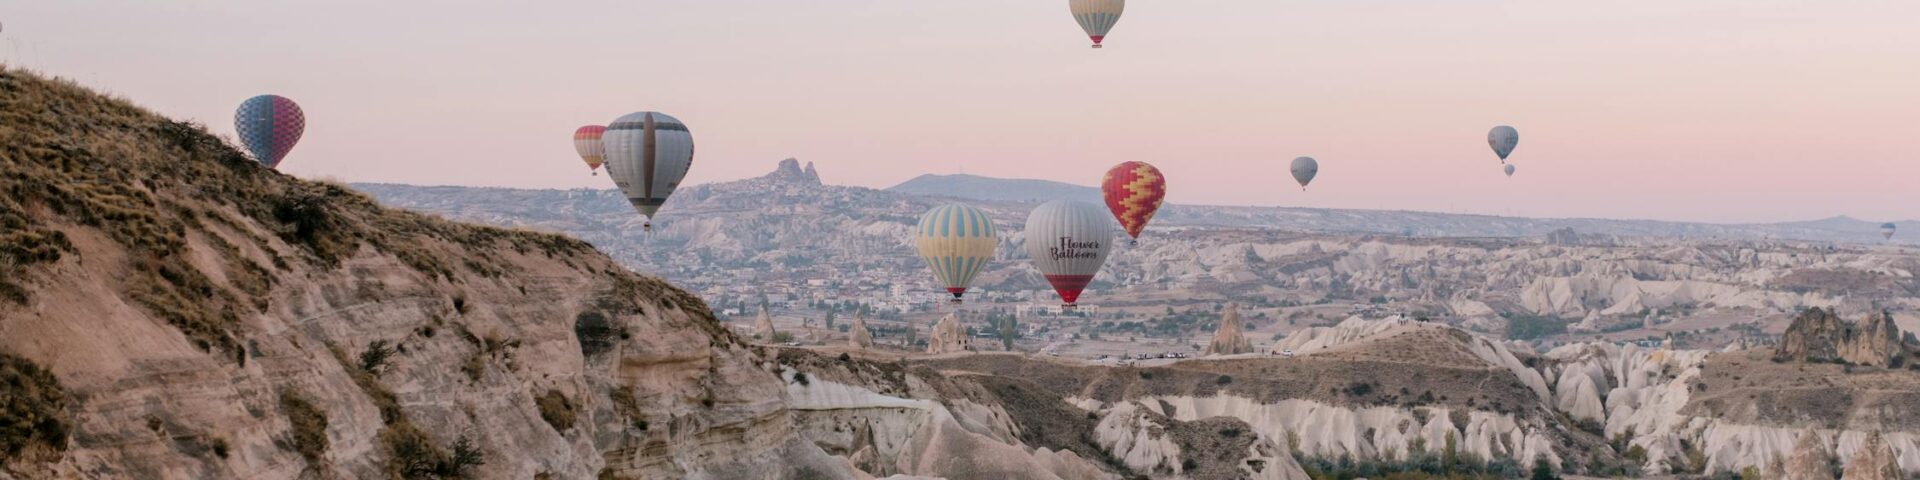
{"x":1229,"y":339}
{"x":947,"y":336}
{"x":1820,"y":335}
{"x":857,"y":334}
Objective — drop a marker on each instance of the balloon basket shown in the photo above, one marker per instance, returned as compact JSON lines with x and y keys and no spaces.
{"x":1133,"y":243}
{"x":1096,"y":45}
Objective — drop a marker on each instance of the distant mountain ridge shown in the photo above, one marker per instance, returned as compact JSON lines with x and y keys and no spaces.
{"x":974,"y":187}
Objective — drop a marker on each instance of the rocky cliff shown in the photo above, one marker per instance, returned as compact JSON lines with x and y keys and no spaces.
{"x":1820,"y":335}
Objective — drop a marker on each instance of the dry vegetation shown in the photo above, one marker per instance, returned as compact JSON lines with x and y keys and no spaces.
{"x":308,"y":424}
{"x":33,"y":411}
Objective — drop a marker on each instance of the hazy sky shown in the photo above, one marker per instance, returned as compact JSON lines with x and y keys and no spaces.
{"x":1719,"y":110}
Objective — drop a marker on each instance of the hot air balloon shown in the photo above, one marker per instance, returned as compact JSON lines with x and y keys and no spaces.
{"x":648,"y":154}
{"x":1509,"y":169}
{"x":957,"y":242}
{"x":586,"y":140}
{"x":1887,"y":229}
{"x":1096,"y":16}
{"x":1068,"y":241}
{"x":1304,"y":169}
{"x":1503,"y":138}
{"x":1133,"y":191}
{"x":269,"y":125}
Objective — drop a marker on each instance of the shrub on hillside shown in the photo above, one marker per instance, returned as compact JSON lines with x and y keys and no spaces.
{"x":33,"y":409}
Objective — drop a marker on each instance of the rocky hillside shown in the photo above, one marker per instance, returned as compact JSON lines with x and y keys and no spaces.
{"x":180,"y":312}
{"x":172,"y":310}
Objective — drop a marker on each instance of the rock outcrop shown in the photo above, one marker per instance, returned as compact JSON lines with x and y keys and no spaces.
{"x":1820,"y":335}
{"x":790,"y":171}
{"x":947,"y":337}
{"x":763,"y":326}
{"x":1228,"y":339}
{"x":857,"y":334}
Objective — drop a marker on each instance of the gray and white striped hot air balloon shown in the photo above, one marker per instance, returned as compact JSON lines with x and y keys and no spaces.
{"x":1069,"y":242}
{"x":647,"y":155}
{"x":1503,"y":138}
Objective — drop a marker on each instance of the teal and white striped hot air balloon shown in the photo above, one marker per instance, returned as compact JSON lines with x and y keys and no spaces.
{"x":957,"y":242}
{"x":1096,"y":16}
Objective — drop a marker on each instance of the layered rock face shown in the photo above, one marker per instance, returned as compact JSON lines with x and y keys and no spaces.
{"x":1229,"y":339}
{"x":1820,"y":335}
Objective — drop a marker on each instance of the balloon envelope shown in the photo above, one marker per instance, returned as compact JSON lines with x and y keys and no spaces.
{"x":1304,"y":169}
{"x":647,"y":154}
{"x":586,"y":141}
{"x":1133,"y":191}
{"x":1887,"y":229}
{"x":1509,"y":169}
{"x":956,"y":241}
{"x":269,"y":125}
{"x":1503,"y":138}
{"x":1068,"y":241}
{"x":1096,"y":17}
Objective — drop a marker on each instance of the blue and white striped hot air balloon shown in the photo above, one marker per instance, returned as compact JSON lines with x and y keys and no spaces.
{"x":957,"y":242}
{"x":1096,"y":16}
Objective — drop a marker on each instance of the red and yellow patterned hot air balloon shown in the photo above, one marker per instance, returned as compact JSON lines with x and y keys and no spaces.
{"x":1133,"y":191}
{"x":586,"y":141}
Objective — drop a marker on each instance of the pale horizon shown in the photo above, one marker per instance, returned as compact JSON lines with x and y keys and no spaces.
{"x":1716,"y":111}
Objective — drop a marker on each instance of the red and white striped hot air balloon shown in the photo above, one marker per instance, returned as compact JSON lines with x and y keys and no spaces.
{"x":586,"y":140}
{"x":1069,"y":242}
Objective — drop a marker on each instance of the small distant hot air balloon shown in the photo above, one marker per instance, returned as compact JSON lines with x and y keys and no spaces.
{"x":1133,"y":191}
{"x":586,"y":140}
{"x":269,"y":125}
{"x":1068,"y":241}
{"x":1096,"y":16}
{"x":648,"y":154}
{"x":1304,"y":169}
{"x":1509,"y":169}
{"x":1887,"y":229}
{"x":957,"y":242}
{"x":1503,"y":138}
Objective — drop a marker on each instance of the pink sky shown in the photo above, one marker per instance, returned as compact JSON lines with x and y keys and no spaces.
{"x":1716,"y":110}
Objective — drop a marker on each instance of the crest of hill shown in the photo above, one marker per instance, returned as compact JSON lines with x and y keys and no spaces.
{"x":991,"y":189}
{"x":174,"y":305}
